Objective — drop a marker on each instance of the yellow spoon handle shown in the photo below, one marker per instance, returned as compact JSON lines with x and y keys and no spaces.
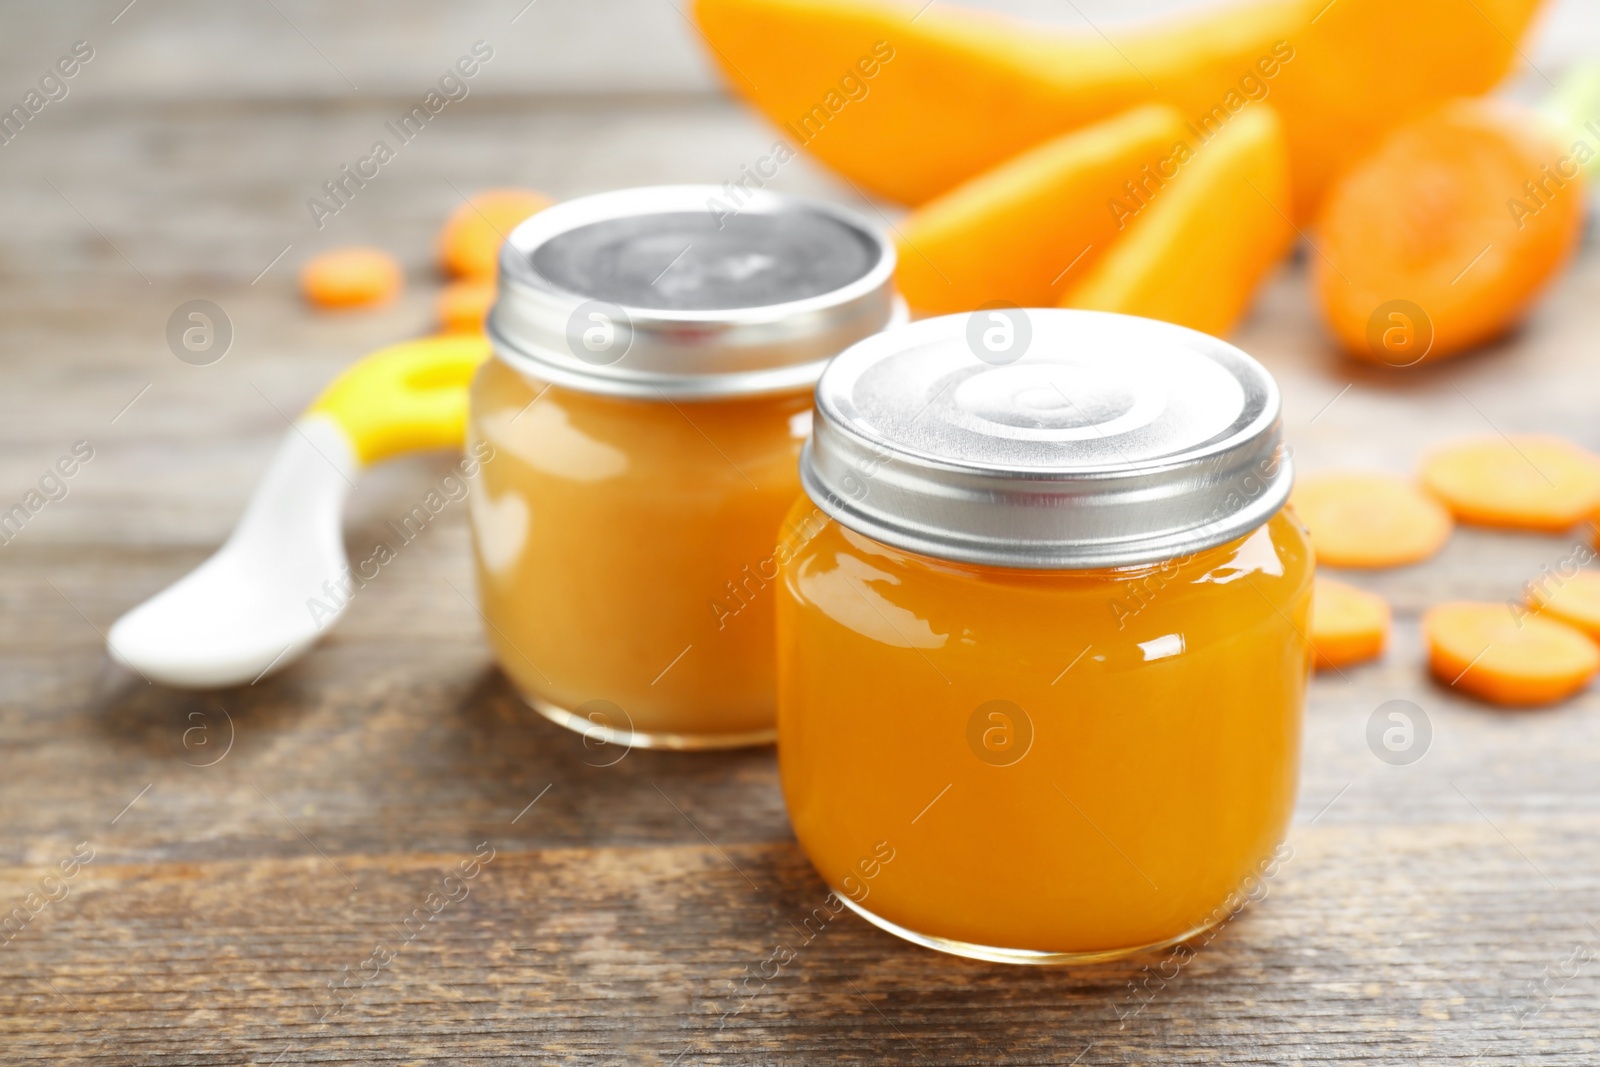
{"x":405,"y":398}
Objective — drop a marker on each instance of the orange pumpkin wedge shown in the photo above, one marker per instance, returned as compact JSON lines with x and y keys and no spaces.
{"x":1196,"y":250}
{"x":908,"y":100}
{"x":1015,"y":233}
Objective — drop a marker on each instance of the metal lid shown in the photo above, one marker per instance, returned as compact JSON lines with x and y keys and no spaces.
{"x":1047,"y":439}
{"x":689,"y":291}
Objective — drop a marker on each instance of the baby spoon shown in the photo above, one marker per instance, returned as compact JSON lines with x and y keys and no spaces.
{"x":246,"y":611}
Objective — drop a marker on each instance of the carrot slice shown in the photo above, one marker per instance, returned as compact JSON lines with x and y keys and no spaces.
{"x":1017,"y":233}
{"x":1497,"y":655}
{"x":1197,"y":249}
{"x":1443,"y":237}
{"x":1574,"y":601}
{"x":1529,"y":482}
{"x":1369,"y":519}
{"x":469,"y":244}
{"x":1348,"y":625}
{"x":463,"y":306}
{"x":350,"y":278}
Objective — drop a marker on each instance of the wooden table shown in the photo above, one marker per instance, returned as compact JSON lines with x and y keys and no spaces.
{"x":249,"y":847}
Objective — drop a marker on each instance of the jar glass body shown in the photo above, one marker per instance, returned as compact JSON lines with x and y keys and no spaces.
{"x":620,"y":548}
{"x":1062,"y":766}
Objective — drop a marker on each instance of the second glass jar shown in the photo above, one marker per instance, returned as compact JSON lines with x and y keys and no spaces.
{"x":646,"y":412}
{"x":1041,"y":634}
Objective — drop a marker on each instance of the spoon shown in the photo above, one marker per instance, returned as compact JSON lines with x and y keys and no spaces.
{"x":282,"y":578}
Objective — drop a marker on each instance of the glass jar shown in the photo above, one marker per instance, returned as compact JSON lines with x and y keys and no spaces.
{"x":644,"y":417}
{"x":1041,"y":634}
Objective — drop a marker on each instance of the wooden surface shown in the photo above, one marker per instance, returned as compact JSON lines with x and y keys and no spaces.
{"x":1442,"y":912}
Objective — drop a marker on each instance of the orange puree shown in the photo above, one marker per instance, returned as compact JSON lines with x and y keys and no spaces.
{"x":1070,"y":762}
{"x":625,"y":553}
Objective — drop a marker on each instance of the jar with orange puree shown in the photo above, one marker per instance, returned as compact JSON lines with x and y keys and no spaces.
{"x":1041,"y":633}
{"x":646,"y":409}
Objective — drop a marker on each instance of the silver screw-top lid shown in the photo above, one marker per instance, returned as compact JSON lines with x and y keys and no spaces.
{"x":1047,"y":439}
{"x":689,"y":291}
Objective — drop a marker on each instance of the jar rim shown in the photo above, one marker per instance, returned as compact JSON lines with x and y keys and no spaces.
{"x":544,"y":329}
{"x":1173,"y":445}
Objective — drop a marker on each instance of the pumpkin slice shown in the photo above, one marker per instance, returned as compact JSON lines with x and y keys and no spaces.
{"x":908,"y":100}
{"x":1014,"y":234}
{"x":1197,"y":248}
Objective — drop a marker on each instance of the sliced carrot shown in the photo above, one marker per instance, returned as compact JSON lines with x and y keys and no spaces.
{"x":1506,"y":658}
{"x":1201,"y":241}
{"x":1014,"y":234}
{"x":350,"y":278}
{"x":1574,"y":601}
{"x":1528,"y":482}
{"x":1443,"y":237}
{"x":1348,"y":625}
{"x":1369,"y":519}
{"x":469,"y":244}
{"x":464,"y":305}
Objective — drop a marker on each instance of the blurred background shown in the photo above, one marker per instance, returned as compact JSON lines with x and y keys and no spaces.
{"x":579,"y":97}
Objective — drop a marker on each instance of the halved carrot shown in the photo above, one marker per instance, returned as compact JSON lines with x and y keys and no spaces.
{"x":1014,"y":234}
{"x":350,"y":278}
{"x":463,"y":305}
{"x":1369,"y":518}
{"x":1443,"y":237}
{"x":1348,"y":625}
{"x":1529,"y":482}
{"x":469,"y":244}
{"x":1198,"y":248}
{"x":1499,"y":656}
{"x":1574,"y":601}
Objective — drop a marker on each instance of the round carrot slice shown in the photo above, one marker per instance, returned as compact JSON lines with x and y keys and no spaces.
{"x":469,"y":244}
{"x":464,"y":305}
{"x":1528,"y":482}
{"x":1348,"y":625}
{"x":1443,"y":237}
{"x":1501,"y":656}
{"x":350,"y":278}
{"x":1369,"y":519}
{"x":1574,"y":601}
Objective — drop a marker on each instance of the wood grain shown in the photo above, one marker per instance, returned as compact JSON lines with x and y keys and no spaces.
{"x":1430,"y":913}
